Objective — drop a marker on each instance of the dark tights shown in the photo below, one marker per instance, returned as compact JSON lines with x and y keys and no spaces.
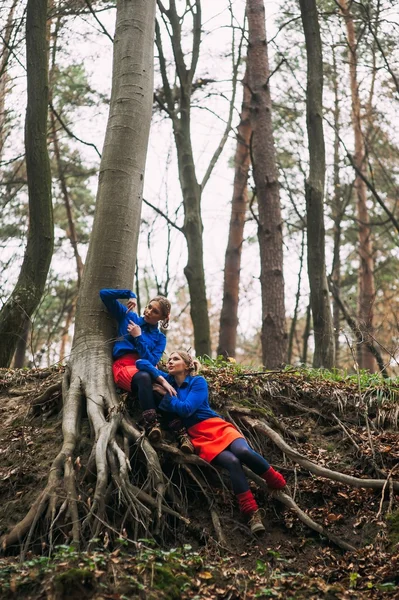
{"x":238,"y":453}
{"x":149,"y":400}
{"x":142,"y":386}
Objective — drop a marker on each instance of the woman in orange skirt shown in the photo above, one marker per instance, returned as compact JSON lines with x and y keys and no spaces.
{"x":214,"y":439}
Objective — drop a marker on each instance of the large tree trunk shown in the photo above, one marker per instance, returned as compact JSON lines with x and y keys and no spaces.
{"x":39,"y":249}
{"x":110,"y":263}
{"x":239,"y":204}
{"x":366,"y":287}
{"x":270,"y":234}
{"x":324,"y":355}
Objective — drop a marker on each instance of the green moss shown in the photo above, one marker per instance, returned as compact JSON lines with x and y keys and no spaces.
{"x":75,"y":583}
{"x":393,"y":528}
{"x":168,"y":582}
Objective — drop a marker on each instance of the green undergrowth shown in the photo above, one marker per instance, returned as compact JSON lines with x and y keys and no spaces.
{"x":236,"y":381}
{"x":148,"y":572}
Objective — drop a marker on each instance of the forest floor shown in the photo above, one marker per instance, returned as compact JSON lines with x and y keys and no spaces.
{"x":289,"y":561}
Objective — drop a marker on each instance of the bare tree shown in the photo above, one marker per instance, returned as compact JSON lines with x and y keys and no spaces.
{"x":324,"y":354}
{"x":270,"y":227}
{"x":39,"y":249}
{"x":239,"y":205}
{"x":175,"y":101}
{"x":366,"y":286}
{"x":4,"y":58}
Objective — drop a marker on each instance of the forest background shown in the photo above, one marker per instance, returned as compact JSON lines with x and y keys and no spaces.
{"x":80,"y":76}
{"x":332,"y":303}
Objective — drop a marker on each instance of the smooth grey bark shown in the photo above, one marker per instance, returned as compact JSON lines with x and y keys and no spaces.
{"x":112,"y":250}
{"x":264,"y":165}
{"x":324,"y":353}
{"x":110,"y":263}
{"x":39,"y":248}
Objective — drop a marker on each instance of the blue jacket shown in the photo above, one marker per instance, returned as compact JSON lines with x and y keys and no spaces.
{"x":150,"y":345}
{"x":191,"y":402}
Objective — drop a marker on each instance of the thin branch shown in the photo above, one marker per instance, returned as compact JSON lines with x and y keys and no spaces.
{"x":157,"y":210}
{"x":164,"y":75}
{"x":70,"y":133}
{"x":366,"y":181}
{"x":355,"y":328}
{"x":196,"y":37}
{"x":93,"y":12}
{"x":377,"y":41}
{"x":227,"y":130}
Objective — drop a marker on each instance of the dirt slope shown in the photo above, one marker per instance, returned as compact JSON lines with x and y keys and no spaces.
{"x":289,"y":561}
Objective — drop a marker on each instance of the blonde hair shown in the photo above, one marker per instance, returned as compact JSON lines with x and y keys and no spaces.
{"x":165,"y":308}
{"x":192,"y":364}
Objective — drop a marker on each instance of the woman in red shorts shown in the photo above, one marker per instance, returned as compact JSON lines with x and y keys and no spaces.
{"x":214,"y":439}
{"x":140,"y":337}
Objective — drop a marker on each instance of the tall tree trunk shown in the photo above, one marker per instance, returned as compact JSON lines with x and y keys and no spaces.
{"x":178,"y":108}
{"x":71,"y":231}
{"x":270,"y":234}
{"x":110,"y":263}
{"x":297,"y":299}
{"x":239,"y":204}
{"x":191,"y":189}
{"x":5,"y":55}
{"x":192,"y":228}
{"x":19,"y":359}
{"x":337,"y":210}
{"x":70,"y":313}
{"x":39,"y":249}
{"x":366,"y":286}
{"x":306,"y":334}
{"x":324,"y":354}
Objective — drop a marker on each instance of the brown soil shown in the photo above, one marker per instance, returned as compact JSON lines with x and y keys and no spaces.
{"x":289,"y":561}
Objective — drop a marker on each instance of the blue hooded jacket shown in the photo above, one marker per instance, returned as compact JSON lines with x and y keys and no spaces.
{"x":150,"y":345}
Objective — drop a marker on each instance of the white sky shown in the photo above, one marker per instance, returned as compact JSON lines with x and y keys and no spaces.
{"x":161,"y":181}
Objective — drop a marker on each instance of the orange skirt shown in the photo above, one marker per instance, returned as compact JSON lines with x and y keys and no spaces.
{"x":124,"y":369}
{"x":212,"y":436}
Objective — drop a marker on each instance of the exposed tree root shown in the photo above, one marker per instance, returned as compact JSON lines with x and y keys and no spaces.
{"x":48,"y":395}
{"x":374,"y":484}
{"x":290,"y":503}
{"x":133,"y":494}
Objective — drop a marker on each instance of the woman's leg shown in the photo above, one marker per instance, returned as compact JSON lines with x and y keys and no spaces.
{"x":141,"y":385}
{"x":246,"y":501}
{"x":229,"y":461}
{"x":257,"y":463}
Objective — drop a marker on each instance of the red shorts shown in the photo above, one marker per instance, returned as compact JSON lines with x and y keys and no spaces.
{"x":212,"y":436}
{"x":124,"y":369}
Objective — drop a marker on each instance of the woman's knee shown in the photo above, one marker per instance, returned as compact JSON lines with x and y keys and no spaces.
{"x":232,"y":463}
{"x":244,"y":453}
{"x":142,"y":379}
